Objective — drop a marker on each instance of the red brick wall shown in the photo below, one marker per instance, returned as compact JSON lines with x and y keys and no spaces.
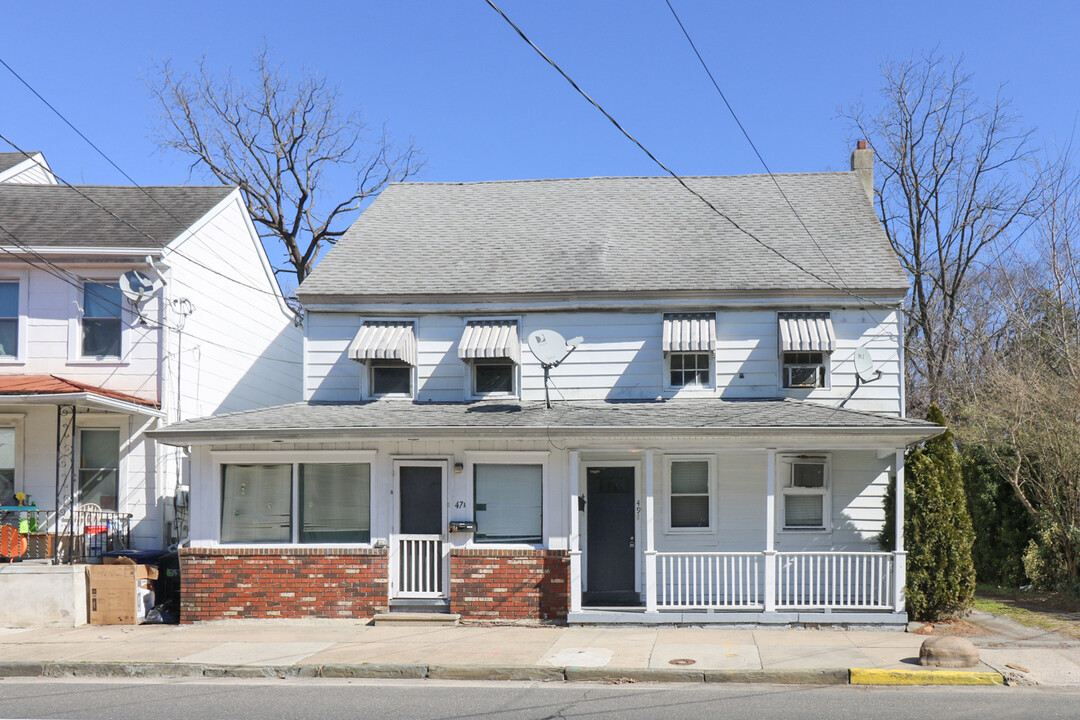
{"x":509,"y":584}
{"x":220,"y":583}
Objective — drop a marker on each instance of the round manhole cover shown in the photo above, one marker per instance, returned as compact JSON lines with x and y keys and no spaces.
{"x":681,"y":661}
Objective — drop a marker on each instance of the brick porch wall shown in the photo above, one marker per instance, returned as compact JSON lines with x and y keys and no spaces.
{"x":220,"y":583}
{"x":509,"y":584}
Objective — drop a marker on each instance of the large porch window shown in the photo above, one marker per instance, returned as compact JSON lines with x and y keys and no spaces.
{"x":689,"y":482}
{"x":334,"y":503}
{"x":508,"y":503}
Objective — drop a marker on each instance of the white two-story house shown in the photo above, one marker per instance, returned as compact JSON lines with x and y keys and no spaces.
{"x":85,"y":372}
{"x":710,"y":453}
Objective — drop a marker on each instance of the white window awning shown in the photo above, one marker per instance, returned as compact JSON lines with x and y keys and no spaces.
{"x":384,"y":340}
{"x":490,"y":339}
{"x":690,"y":332}
{"x":806,"y":332}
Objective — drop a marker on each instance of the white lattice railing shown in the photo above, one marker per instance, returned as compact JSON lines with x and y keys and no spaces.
{"x":420,"y":566}
{"x":846,"y":580}
{"x":709,"y":580}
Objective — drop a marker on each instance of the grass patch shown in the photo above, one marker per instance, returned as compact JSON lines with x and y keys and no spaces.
{"x":1031,"y":618}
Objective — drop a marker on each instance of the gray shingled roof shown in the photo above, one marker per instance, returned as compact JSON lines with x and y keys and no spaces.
{"x":58,"y":216}
{"x":387,"y":417}
{"x":10,"y":160}
{"x":609,"y":235}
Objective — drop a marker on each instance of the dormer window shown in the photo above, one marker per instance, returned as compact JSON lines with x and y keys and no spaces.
{"x":492,"y":350}
{"x":388,"y":350}
{"x":806,"y":341}
{"x":689,"y":343}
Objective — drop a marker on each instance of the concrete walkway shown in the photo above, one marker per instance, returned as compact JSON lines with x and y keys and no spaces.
{"x":1036,"y":657}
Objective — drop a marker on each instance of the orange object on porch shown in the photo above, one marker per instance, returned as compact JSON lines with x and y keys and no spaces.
{"x":12,"y":542}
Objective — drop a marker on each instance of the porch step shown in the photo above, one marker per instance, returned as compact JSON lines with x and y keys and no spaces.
{"x":429,"y":619}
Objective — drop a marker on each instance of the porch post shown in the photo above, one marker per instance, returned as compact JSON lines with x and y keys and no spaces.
{"x":900,"y":556}
{"x":65,"y":482}
{"x":770,"y":531}
{"x":575,"y":536}
{"x":650,"y":536}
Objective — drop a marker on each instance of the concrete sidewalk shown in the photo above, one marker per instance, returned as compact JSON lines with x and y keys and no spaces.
{"x":275,"y":646}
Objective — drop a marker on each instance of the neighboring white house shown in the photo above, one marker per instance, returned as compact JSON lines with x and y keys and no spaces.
{"x":85,"y":373}
{"x":26,"y":169}
{"x":710,"y":454}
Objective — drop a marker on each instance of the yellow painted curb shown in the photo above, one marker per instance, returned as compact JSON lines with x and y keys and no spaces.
{"x":872,"y":676}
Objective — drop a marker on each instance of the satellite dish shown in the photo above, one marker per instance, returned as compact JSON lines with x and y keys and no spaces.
{"x":864,"y":366}
{"x":550,"y":348}
{"x":137,"y":287}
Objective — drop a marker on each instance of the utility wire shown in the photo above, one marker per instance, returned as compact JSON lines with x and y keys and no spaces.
{"x":672,"y":173}
{"x":752,"y":145}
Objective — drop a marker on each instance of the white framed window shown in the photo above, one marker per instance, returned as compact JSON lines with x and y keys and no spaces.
{"x":307,"y":503}
{"x":390,"y":378}
{"x":9,"y":319}
{"x":806,"y":493}
{"x":689,"y":370}
{"x":493,"y":377}
{"x":805,"y":369}
{"x":7,"y":465}
{"x":99,"y":467}
{"x":101,"y":324}
{"x":508,"y":503}
{"x":689,"y":483}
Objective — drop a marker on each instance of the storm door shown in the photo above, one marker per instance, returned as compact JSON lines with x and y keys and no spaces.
{"x":420,"y":562}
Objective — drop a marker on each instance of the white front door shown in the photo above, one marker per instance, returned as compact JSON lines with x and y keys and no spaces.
{"x":419,"y":566}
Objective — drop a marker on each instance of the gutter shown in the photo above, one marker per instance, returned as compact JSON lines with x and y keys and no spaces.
{"x":86,"y":399}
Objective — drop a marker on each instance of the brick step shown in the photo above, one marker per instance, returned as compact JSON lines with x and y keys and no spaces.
{"x":431,"y":619}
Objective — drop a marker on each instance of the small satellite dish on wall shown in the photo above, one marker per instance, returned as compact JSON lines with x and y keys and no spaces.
{"x":550,"y":348}
{"x":137,"y":287}
{"x":864,"y":366}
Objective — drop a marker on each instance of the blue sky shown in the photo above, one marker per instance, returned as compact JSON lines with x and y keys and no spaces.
{"x":481,"y":105}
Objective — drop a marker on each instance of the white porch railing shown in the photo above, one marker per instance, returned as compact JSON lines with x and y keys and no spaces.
{"x":420,"y":566}
{"x":710,"y":580}
{"x":803,"y":580}
{"x":843,"y":580}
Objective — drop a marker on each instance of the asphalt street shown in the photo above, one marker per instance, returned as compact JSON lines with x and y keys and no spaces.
{"x":431,"y":700}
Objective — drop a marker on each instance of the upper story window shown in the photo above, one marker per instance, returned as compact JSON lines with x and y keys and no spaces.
{"x":689,"y":343}
{"x":102,"y":326}
{"x":492,"y":350}
{"x":9,"y":319}
{"x":388,"y":350}
{"x":806,"y":342}
{"x":805,"y":491}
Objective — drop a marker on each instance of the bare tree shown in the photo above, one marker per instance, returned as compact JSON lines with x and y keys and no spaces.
{"x":280,"y":140}
{"x":948,"y":188}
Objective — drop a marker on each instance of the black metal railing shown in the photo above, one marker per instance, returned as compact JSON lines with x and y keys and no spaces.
{"x":79,"y":536}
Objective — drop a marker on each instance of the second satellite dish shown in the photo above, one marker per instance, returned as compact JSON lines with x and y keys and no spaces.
{"x":864,"y":366}
{"x":550,"y":348}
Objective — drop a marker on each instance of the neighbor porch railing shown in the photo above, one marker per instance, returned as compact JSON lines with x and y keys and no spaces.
{"x":798,"y":581}
{"x":81,"y":535}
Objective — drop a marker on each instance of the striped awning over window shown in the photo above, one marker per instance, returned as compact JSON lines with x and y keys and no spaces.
{"x":806,"y":332}
{"x":384,"y":340}
{"x":690,"y":332}
{"x":490,"y":339}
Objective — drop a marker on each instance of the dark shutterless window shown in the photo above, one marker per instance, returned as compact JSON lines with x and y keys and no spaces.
{"x":391,"y":378}
{"x":101,"y":323}
{"x":9,"y":319}
{"x":493,"y":377}
{"x":689,"y":369}
{"x":335,"y":502}
{"x":508,"y":503}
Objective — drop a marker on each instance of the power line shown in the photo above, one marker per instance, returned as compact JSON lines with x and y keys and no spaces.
{"x":752,"y":145}
{"x":671,"y":172}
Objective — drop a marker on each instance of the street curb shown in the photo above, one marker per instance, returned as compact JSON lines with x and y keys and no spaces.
{"x":871,"y":676}
{"x":534,"y":673}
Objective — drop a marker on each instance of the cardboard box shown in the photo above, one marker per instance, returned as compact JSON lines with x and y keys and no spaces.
{"x":113,"y":591}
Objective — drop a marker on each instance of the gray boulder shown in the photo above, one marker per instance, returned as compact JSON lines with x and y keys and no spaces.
{"x":948,"y":651}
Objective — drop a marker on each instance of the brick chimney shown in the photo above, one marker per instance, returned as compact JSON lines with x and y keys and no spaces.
{"x":862,"y":164}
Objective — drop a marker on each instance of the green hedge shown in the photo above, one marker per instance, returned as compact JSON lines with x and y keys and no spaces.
{"x":1003,"y":528}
